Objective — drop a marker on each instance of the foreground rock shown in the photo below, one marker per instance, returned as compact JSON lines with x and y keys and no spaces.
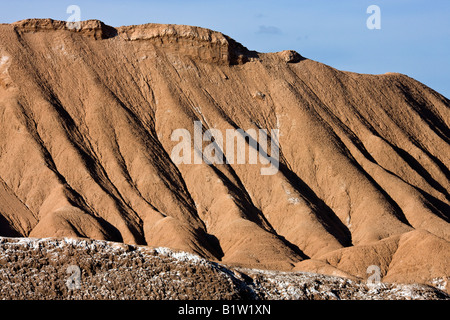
{"x":47,"y":269}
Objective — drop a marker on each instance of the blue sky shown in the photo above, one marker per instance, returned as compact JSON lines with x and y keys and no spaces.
{"x":414,"y":38}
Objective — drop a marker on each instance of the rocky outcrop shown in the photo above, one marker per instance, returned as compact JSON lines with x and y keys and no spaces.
{"x":195,"y":42}
{"x":290,"y":56}
{"x":90,"y":28}
{"x":68,"y":269}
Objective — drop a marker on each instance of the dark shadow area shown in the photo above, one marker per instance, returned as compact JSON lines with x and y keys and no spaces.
{"x":416,"y":166}
{"x":243,"y":202}
{"x":6,"y":230}
{"x":434,"y":121}
{"x":113,"y":234}
{"x":398,"y":212}
{"x":238,"y":54}
{"x":438,"y":162}
{"x":440,"y":208}
{"x":293,"y":247}
{"x":324,"y":213}
{"x":108,"y":31}
{"x":213,"y":245}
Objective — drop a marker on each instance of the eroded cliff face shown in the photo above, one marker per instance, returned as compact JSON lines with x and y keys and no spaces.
{"x":197,"y":43}
{"x":87,"y":116}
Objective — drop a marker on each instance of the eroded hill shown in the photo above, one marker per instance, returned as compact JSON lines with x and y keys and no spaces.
{"x":87,"y":116}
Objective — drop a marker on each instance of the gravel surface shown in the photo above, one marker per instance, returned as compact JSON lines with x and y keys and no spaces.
{"x":90,"y":269}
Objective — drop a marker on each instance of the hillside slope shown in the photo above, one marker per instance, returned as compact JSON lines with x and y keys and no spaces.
{"x":86,"y":124}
